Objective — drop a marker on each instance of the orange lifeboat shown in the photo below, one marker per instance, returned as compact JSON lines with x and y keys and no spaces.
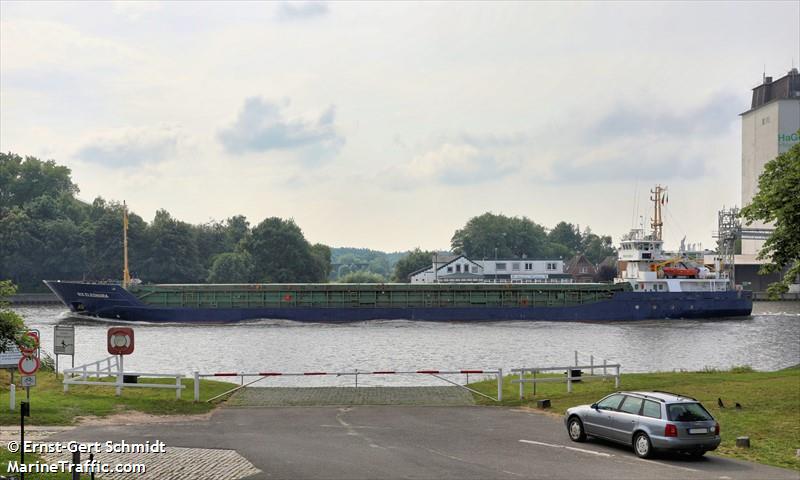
{"x":673,"y":272}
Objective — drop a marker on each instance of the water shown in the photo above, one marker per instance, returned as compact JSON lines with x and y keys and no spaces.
{"x":768,"y":340}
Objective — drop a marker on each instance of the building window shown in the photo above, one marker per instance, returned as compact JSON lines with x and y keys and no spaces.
{"x":458,"y":268}
{"x":583,"y":269}
{"x":551,"y":266}
{"x":449,"y":269}
{"x":500,"y":266}
{"x":466,"y":268}
{"x":528,"y":266}
{"x":515,"y":266}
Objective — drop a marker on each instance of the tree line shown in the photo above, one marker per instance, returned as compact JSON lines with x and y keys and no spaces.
{"x":48,"y":233}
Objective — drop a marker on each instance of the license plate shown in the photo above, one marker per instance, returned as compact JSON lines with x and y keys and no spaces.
{"x":698,"y":430}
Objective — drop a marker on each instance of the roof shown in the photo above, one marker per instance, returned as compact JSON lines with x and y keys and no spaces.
{"x":665,"y":396}
{"x":574,"y":261}
{"x":784,"y":88}
{"x":456,"y":258}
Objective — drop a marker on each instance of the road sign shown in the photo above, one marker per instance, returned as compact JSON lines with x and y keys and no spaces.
{"x":34,"y":336}
{"x":120,"y":341}
{"x":28,"y":365}
{"x":64,"y":340}
{"x":29,"y":380}
{"x":10,"y":358}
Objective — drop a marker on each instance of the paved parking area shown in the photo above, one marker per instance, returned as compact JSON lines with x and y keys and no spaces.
{"x":365,"y":442}
{"x":319,"y":396}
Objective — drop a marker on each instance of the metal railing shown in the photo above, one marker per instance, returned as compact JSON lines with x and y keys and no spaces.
{"x":113,"y":367}
{"x":498,"y":373}
{"x":528,"y":374}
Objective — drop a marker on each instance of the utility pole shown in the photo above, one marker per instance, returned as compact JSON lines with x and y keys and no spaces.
{"x":126,"y":276}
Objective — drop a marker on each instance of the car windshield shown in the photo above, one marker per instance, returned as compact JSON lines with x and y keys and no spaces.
{"x":688,"y":412}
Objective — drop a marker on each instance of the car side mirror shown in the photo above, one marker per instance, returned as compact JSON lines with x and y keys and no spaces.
{"x":594,"y":405}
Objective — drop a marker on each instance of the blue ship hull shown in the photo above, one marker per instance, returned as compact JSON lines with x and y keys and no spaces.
{"x":113,"y":302}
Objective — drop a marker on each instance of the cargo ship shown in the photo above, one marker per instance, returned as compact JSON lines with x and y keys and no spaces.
{"x":650,"y":286}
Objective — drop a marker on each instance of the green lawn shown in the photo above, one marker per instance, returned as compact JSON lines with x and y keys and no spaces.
{"x":770,"y":415}
{"x":51,"y":406}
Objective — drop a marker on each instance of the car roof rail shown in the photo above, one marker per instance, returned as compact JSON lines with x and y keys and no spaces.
{"x":676,"y":395}
{"x":642,"y":394}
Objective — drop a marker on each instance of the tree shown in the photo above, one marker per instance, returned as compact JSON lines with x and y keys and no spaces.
{"x":566,"y":234}
{"x":281,"y":253}
{"x":11,"y":325}
{"x":322,"y":257}
{"x":490,"y":236}
{"x":24,"y":180}
{"x":595,"y":247}
{"x":171,"y":255}
{"x":778,"y":202}
{"x":362,"y":277}
{"x":231,"y":267}
{"x":412,"y":262}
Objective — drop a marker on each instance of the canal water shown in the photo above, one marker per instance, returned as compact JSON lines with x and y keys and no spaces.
{"x":768,"y":340}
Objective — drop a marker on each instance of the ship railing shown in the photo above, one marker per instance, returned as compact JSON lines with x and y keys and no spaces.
{"x":498,"y":374}
{"x":93,"y":374}
{"x":574,"y":373}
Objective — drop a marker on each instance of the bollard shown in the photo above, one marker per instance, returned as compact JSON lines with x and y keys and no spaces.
{"x":178,"y":388}
{"x":569,"y":381}
{"x":499,"y":384}
{"x":743,"y":442}
{"x":591,"y":365}
{"x":12,"y":397}
{"x":616,"y":379}
{"x":521,"y":385}
{"x":196,"y":387}
{"x":76,"y":460}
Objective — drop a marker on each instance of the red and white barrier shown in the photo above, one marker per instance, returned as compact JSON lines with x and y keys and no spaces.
{"x":436,"y":373}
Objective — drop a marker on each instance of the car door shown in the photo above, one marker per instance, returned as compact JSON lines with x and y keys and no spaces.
{"x":626,"y":419}
{"x":598,"y":421}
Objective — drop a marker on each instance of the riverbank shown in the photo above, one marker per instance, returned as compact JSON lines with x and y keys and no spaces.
{"x":770,"y":413}
{"x":51,"y":406}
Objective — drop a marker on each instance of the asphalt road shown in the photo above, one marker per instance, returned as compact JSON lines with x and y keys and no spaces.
{"x":377,"y":442}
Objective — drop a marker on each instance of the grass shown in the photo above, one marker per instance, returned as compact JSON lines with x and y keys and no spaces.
{"x":770,"y":415}
{"x":51,"y":406}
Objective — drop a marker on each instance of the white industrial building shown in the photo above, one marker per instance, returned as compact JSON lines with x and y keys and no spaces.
{"x":769,"y":128}
{"x":458,"y":268}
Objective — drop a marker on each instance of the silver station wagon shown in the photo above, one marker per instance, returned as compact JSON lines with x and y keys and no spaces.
{"x":648,"y":421}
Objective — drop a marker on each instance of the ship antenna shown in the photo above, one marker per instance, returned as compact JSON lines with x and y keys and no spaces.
{"x":126,"y":276}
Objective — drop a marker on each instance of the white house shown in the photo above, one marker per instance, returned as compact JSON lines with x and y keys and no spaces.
{"x":458,"y":268}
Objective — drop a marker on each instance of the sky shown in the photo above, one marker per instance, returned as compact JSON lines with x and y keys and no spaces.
{"x":389,"y":125}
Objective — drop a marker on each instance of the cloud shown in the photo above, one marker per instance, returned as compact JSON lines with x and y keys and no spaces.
{"x":134,"y":11}
{"x":262,"y":126}
{"x":715,"y":116}
{"x":130,"y":147}
{"x":290,"y":11}
{"x":655,"y":166}
{"x":451,"y":164}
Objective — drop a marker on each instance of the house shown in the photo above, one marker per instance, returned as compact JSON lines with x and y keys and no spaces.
{"x":581,"y":269}
{"x":458,"y":268}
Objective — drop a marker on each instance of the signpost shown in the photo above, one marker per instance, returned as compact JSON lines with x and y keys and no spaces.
{"x":64,"y":342}
{"x":29,"y":363}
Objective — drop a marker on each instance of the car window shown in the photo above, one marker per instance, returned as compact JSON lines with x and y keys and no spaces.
{"x":631,"y":405}
{"x":688,"y":412}
{"x":651,"y":409}
{"x":609,"y":403}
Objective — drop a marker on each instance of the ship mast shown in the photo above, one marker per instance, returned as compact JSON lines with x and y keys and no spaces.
{"x":126,"y":276}
{"x":658,"y":198}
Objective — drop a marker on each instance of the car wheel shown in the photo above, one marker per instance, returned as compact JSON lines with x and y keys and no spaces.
{"x":642,"y":445}
{"x":576,"y":431}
